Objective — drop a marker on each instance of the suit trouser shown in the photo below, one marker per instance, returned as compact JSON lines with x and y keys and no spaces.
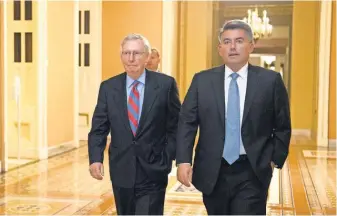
{"x":237,"y":191}
{"x":146,"y":198}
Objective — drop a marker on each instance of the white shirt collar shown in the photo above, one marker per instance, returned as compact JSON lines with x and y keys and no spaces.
{"x":243,"y":72}
{"x":141,"y":79}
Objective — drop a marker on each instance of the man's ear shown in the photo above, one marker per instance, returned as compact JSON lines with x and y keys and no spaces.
{"x":252,"y":47}
{"x":219,"y":49}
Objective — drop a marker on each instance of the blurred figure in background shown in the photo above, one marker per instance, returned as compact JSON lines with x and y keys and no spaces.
{"x":153,"y":63}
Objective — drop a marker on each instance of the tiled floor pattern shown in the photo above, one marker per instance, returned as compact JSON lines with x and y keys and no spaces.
{"x":62,"y":186}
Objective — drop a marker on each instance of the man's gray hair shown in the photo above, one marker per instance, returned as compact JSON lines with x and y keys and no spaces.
{"x":134,"y":36}
{"x":237,"y":24}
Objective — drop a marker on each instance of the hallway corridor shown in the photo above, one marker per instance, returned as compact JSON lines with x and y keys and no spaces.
{"x":62,"y":185}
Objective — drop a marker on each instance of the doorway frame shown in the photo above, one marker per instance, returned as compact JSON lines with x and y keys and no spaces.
{"x":323,"y":74}
{"x":95,"y":31}
{"x":3,"y":164}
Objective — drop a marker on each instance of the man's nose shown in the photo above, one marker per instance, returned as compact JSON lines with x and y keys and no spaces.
{"x":233,"y":46}
{"x":131,"y":57}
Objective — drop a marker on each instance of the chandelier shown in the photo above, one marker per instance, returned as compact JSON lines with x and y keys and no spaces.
{"x":260,"y":26}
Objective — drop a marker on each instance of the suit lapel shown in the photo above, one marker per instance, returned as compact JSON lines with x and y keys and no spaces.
{"x":218,"y":80}
{"x":121,"y":101}
{"x":150,"y":95}
{"x":252,"y":85}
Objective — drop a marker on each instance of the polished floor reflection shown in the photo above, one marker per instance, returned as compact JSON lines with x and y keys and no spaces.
{"x":62,"y":185}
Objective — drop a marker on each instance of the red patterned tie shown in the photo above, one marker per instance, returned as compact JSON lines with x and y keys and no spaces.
{"x":133,"y":107}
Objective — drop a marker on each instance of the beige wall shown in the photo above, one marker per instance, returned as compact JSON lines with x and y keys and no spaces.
{"x":169,"y":50}
{"x":195,"y":41}
{"x":60,"y":96}
{"x":2,"y":123}
{"x":304,"y":64}
{"x":192,"y":50}
{"x":198,"y":35}
{"x":121,"y":18}
{"x":332,"y":87}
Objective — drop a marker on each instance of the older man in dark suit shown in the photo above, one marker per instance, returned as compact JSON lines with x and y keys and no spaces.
{"x":140,"y":109}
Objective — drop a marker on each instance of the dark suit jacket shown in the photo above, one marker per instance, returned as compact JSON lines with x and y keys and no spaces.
{"x":265,"y":131}
{"x":155,"y":142}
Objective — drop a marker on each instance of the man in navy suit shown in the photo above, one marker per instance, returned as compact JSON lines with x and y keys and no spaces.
{"x":243,"y":115}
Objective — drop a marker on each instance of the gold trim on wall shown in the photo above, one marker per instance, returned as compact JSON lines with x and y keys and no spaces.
{"x":23,"y":124}
{"x":24,"y":130}
{"x":187,"y":65}
{"x":210,"y":33}
{"x":214,"y":55}
{"x":181,"y":62}
{"x":86,"y":115}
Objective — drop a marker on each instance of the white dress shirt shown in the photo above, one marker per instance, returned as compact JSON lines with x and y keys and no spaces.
{"x":242,"y":84}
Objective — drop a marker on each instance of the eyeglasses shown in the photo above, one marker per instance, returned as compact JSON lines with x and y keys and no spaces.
{"x":135,"y":54}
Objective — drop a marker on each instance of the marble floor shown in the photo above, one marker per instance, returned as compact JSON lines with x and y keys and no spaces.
{"x":62,"y":185}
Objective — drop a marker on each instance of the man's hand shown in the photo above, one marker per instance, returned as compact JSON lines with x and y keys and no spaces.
{"x":184,"y":174}
{"x":96,"y":170}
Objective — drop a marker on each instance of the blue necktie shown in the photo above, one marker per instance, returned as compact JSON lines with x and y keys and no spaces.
{"x":232,"y":140}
